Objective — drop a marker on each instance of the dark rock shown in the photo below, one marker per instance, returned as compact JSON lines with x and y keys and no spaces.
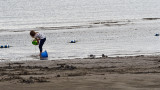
{"x":58,"y":76}
{"x":92,"y":56}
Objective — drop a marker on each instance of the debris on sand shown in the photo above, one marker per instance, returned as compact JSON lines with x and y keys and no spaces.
{"x":65,"y":67}
{"x":77,"y":74}
{"x":58,"y":76}
{"x":92,"y":56}
{"x":104,"y":56}
{"x":33,"y":80}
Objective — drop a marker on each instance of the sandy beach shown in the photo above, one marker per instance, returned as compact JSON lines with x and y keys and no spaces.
{"x":105,"y":73}
{"x":126,"y":31}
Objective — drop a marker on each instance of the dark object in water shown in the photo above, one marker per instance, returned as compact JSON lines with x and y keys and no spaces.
{"x":156,"y":34}
{"x":151,"y":18}
{"x":5,"y":46}
{"x":73,"y":41}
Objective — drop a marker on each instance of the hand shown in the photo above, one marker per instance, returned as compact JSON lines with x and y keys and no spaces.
{"x":38,"y":40}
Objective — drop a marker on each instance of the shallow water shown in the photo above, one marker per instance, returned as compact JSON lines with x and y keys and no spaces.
{"x":114,"y":28}
{"x":23,"y":14}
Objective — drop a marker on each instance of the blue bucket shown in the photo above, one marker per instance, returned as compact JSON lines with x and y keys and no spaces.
{"x":44,"y":54}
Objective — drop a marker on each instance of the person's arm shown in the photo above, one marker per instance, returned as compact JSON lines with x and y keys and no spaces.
{"x":37,"y":40}
{"x":36,"y":37}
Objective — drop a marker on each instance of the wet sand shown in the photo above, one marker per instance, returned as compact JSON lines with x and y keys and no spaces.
{"x":118,"y":73}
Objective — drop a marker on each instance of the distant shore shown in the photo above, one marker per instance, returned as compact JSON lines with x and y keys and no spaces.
{"x":118,"y":73}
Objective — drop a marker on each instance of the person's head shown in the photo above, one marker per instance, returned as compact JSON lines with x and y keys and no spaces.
{"x":32,"y":33}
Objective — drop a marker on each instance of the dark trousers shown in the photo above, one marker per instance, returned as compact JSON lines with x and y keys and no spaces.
{"x":41,"y":44}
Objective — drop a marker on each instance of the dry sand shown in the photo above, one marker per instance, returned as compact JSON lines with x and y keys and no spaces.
{"x":119,"y":73}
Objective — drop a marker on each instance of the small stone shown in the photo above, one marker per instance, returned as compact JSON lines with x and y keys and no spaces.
{"x":58,"y":76}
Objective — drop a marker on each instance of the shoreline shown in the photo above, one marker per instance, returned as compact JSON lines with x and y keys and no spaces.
{"x":111,"y":37}
{"x":120,"y":73}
